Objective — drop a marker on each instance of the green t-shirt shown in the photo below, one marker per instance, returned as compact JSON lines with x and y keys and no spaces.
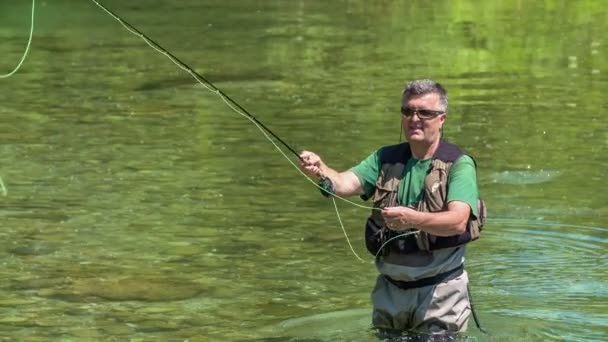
{"x":462,"y":180}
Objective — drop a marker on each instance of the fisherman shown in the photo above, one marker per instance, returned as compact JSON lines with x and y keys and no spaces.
{"x":426,"y":208}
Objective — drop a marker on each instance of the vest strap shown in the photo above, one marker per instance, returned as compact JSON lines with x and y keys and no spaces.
{"x":434,"y":280}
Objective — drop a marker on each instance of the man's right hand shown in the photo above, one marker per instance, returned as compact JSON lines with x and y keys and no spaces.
{"x":311,"y":164}
{"x":344,"y":183}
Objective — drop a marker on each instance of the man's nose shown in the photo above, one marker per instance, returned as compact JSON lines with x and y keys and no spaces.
{"x":415,"y":116}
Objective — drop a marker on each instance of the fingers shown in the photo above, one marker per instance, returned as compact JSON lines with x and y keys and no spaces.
{"x":309,"y":158}
{"x":389,"y":212}
{"x":395,"y":211}
{"x":312,"y":170}
{"x":310,"y":163}
{"x":389,"y":217}
{"x":391,"y":224}
{"x":393,"y":217}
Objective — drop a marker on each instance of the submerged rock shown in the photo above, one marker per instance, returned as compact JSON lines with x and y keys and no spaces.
{"x":126,"y":289}
{"x":32,"y":250}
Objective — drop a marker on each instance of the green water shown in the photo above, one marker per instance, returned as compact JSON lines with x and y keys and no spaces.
{"x":141,"y":207}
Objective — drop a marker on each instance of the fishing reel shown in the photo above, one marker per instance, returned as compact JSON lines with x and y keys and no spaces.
{"x":326,"y":186}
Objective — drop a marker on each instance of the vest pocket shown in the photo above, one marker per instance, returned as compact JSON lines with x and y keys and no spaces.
{"x":374,"y":236}
{"x":385,"y":196}
{"x":475,"y":226}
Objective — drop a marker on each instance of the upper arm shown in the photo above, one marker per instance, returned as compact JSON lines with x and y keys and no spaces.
{"x":366,"y":174}
{"x":461,"y":212}
{"x":350,"y":184}
{"x":462,"y":185}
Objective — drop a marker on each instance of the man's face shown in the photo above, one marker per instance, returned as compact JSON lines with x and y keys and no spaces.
{"x":425,"y":126}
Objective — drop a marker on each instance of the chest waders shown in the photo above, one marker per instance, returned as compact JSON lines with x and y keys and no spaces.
{"x":393,"y":160}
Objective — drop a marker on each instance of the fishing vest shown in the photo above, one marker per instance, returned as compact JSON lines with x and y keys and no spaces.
{"x":433,"y":199}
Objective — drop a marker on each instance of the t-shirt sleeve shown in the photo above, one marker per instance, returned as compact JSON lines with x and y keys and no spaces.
{"x":462,"y":183}
{"x":367,"y":171}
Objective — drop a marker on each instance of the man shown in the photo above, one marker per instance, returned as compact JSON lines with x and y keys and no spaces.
{"x":426,"y":208}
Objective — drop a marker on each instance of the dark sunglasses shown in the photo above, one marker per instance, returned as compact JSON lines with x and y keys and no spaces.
{"x":422,"y":113}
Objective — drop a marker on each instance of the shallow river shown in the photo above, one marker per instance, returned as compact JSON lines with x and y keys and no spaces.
{"x":139,"y":206}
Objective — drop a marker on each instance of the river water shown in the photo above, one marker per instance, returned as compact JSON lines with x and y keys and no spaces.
{"x":140,"y":207}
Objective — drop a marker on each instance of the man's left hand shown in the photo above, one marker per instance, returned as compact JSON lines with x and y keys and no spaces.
{"x":399,"y":218}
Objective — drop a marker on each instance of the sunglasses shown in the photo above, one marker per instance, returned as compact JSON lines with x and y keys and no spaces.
{"x":422,"y":113}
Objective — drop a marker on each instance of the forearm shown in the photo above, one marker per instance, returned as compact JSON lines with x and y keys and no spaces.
{"x":344,"y":183}
{"x":443,"y":223}
{"x":452,"y":221}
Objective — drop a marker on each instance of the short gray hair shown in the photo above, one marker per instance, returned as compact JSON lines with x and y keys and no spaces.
{"x":423,"y":87}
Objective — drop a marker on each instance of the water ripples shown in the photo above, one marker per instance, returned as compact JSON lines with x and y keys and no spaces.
{"x":545,"y":271}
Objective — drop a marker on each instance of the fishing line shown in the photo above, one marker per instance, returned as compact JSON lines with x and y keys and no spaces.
{"x":2,"y":187}
{"x":333,"y":200}
{"x":233,"y":105}
{"x":393,"y":238}
{"x":27,"y":48}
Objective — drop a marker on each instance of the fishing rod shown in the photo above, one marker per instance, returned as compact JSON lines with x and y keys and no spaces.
{"x":324,"y":184}
{"x":196,"y":75}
